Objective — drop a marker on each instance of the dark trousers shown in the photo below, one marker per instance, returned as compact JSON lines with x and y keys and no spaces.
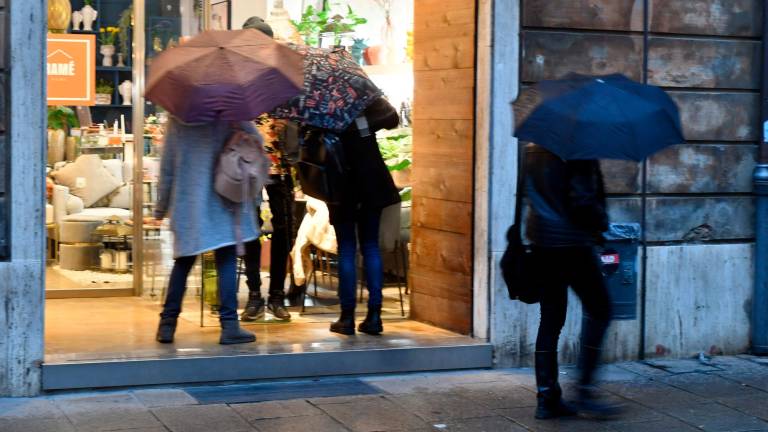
{"x":280,"y":193}
{"x":577,"y":267}
{"x":225,"y":269}
{"x":364,"y":228}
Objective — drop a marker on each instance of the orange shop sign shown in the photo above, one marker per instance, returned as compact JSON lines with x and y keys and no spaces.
{"x":71,"y":65}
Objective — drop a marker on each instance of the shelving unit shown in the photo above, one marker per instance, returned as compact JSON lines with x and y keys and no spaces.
{"x":108,"y":16}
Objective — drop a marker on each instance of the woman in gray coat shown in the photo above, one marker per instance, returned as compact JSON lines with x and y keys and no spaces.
{"x":200,"y":220}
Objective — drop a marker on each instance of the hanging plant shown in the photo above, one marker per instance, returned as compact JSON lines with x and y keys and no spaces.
{"x":61,"y":117}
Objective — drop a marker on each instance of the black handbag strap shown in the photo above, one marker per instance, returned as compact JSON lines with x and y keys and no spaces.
{"x":520,"y":188}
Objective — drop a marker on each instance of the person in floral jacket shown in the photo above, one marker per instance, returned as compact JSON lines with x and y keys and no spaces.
{"x":280,"y":192}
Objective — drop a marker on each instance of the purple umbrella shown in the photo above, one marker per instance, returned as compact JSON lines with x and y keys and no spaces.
{"x":228,"y":75}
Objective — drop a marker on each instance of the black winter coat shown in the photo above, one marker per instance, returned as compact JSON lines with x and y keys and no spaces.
{"x":369,"y":185}
{"x":567,"y":200}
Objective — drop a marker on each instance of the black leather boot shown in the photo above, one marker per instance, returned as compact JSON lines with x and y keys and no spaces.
{"x":166,"y":329}
{"x":589,"y":402}
{"x":372,"y":324}
{"x":549,"y":395}
{"x":296,"y":294}
{"x":346,"y":323}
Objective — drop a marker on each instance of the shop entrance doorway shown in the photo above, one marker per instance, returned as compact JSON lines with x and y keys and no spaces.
{"x":102,"y":334}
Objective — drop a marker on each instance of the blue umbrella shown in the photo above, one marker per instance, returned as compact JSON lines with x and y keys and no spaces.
{"x":607,"y":117}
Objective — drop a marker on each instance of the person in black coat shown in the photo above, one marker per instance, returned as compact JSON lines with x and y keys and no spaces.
{"x":368,"y":188}
{"x":566,"y":222}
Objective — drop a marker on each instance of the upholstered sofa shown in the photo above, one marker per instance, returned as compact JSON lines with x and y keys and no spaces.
{"x":86,"y":193}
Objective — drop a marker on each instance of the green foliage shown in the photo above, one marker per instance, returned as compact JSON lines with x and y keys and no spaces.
{"x":89,"y":2}
{"x":124,"y":23}
{"x":314,"y":22}
{"x":104,"y":86}
{"x":396,"y":149}
{"x":61,"y":117}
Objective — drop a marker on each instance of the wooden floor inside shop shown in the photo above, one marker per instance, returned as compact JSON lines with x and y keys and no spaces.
{"x":121,"y":328}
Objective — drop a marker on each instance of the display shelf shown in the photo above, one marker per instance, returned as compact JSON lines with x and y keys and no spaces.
{"x":113,"y":69}
{"x":94,"y":32}
{"x":112,"y":106}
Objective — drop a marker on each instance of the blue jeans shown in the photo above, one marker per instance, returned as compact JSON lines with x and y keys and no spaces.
{"x":367,"y":224}
{"x":225,"y":269}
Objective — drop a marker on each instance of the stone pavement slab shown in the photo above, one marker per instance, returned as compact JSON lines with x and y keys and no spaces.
{"x":96,"y":413}
{"x":202,"y":418}
{"x":39,"y":408}
{"x":433,"y":407}
{"x":750,"y":405}
{"x":60,"y":424}
{"x":372,"y":414}
{"x":710,"y":386}
{"x":275,"y":409}
{"x":713,"y":417}
{"x":315,"y":423}
{"x":158,"y":398}
{"x":497,"y":395}
{"x":483,"y":424}
{"x":524,"y":417}
{"x":666,"y":424}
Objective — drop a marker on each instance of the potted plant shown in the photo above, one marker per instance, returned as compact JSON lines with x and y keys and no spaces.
{"x":60,"y":120}
{"x":124,"y":24}
{"x":104,"y":91}
{"x":340,"y":26}
{"x":107,"y":39}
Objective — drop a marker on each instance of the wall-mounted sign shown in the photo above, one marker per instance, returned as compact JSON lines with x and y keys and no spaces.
{"x":71,"y":67}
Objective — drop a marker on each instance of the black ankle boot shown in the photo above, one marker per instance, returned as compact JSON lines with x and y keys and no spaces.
{"x":589,"y":402}
{"x":372,"y":324}
{"x":165,"y":330}
{"x":346,"y":323}
{"x":549,"y":396}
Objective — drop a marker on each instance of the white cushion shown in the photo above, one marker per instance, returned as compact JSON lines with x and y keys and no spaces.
{"x":74,"y":204}
{"x":87,"y":178}
{"x":122,"y":197}
{"x":115,"y":167}
{"x":98,"y":214}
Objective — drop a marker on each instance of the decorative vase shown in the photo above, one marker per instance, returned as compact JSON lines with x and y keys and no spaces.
{"x":56,"y":141}
{"x":103,"y":98}
{"x":77,"y":20}
{"x":59,"y":14}
{"x":89,"y":16}
{"x":107,"y":51}
{"x":120,"y":60}
{"x":126,"y":90}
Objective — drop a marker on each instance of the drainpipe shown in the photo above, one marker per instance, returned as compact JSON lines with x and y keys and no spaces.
{"x":760,"y":181}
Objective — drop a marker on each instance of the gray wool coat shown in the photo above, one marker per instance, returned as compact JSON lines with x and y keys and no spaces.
{"x":200,"y":219}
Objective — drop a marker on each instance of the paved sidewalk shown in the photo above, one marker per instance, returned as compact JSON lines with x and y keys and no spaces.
{"x":724,"y":394}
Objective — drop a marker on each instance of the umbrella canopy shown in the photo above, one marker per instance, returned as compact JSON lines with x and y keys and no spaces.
{"x":608,"y":117}
{"x":336,"y":90}
{"x":228,"y":75}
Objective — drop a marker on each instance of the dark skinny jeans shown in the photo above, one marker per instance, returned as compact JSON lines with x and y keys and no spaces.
{"x":366,"y":224}
{"x":225,"y":269}
{"x":578,"y":268}
{"x":280,"y":193}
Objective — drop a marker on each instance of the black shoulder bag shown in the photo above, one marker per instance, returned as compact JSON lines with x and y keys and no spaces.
{"x":519,"y":265}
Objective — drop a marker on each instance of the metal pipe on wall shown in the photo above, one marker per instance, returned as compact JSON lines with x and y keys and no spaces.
{"x":760,"y":182}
